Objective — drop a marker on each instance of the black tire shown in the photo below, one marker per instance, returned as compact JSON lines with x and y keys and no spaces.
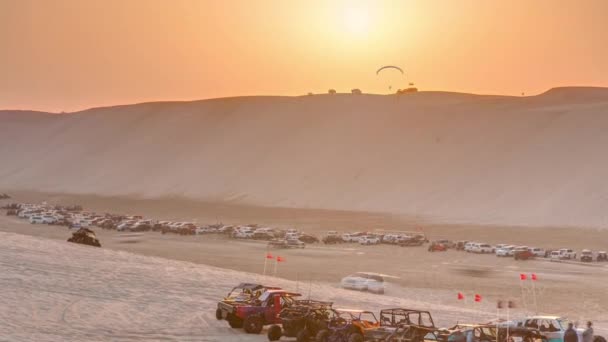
{"x":235,"y":322}
{"x":253,"y":325}
{"x":289,"y":329}
{"x":302,"y":336}
{"x":322,"y":336}
{"x":355,"y":337}
{"x":218,"y":314}
{"x":274,"y":333}
{"x":599,"y":339}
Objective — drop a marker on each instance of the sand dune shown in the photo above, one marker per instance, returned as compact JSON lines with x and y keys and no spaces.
{"x":444,"y":157}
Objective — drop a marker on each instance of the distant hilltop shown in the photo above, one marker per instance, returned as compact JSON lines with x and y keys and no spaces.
{"x":444,"y":157}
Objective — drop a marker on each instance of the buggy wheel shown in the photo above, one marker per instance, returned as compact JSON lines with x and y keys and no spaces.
{"x":355,"y":337}
{"x":274,"y":333}
{"x":322,"y":336}
{"x":235,"y":322}
{"x":302,"y":336}
{"x":218,"y":314}
{"x":289,"y":329}
{"x":599,"y":339}
{"x":253,"y":325}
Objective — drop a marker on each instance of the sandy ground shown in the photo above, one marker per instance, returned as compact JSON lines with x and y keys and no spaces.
{"x":575,"y":291}
{"x":55,"y":291}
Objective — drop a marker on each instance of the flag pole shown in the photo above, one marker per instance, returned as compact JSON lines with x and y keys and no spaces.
{"x":508,"y":324}
{"x":265,"y":261}
{"x":522,"y":277}
{"x":534,"y":293}
{"x":498,"y":305}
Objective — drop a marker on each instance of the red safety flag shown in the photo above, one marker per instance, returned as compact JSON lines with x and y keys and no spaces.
{"x":460,"y":296}
{"x":280,"y":259}
{"x":269,"y":256}
{"x":533,"y":276}
{"x":477,"y":298}
{"x":522,"y":276}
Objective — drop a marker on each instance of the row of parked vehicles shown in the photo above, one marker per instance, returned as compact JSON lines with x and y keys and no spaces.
{"x":75,"y":217}
{"x":519,"y":252}
{"x":368,"y":238}
{"x":254,"y":306}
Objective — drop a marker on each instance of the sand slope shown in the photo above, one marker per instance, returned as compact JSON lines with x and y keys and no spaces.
{"x":440,"y":156}
{"x":56,"y":291}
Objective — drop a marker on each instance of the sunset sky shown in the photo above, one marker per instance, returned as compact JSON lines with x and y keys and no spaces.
{"x":65,"y":55}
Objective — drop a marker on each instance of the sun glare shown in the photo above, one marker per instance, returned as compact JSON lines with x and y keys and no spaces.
{"x":356,"y":20}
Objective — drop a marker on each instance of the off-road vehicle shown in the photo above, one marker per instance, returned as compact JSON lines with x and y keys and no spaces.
{"x":256,"y":309}
{"x":302,"y":320}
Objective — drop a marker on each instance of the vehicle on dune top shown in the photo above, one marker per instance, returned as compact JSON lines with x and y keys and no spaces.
{"x":85,"y":236}
{"x":259,"y":306}
{"x":348,"y":326}
{"x":302,"y":320}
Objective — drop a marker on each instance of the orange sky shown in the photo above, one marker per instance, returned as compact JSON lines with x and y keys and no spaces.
{"x":70,"y":54}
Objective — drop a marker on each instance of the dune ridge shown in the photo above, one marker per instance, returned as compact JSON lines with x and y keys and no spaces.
{"x":444,"y":157}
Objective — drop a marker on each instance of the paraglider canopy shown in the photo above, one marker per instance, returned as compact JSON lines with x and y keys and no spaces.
{"x":389,"y":67}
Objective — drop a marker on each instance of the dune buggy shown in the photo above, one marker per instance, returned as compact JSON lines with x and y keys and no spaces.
{"x":400,"y":324}
{"x":254,"y":314}
{"x":303,"y":320}
{"x":347,"y":326}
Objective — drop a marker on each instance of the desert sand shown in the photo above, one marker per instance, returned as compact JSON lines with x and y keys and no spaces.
{"x":520,"y":170}
{"x":425,"y":280}
{"x":432,"y":156}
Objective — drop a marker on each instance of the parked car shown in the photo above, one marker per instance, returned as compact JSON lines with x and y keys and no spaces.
{"x":602,"y":256}
{"x":505,"y":251}
{"x":306,"y":238}
{"x":522,"y":253}
{"x":369,"y":240}
{"x":482,"y":248}
{"x":567,"y":253}
{"x":538,"y":252}
{"x":469,"y":246}
{"x":363,"y":281}
{"x":446,"y":243}
{"x":586,"y":255}
{"x":49,"y":219}
{"x":36,"y":219}
{"x":555,"y":255}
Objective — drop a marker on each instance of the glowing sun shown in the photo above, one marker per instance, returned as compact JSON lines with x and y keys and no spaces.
{"x":356,"y":20}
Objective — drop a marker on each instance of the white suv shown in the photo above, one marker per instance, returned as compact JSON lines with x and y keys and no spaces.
{"x":469,"y":246}
{"x":539,"y":252}
{"x":484,"y":248}
{"x":505,"y":251}
{"x":567,"y":253}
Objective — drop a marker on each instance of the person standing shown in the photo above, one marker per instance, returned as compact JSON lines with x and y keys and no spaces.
{"x":588,"y":333}
{"x":570,"y":334}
